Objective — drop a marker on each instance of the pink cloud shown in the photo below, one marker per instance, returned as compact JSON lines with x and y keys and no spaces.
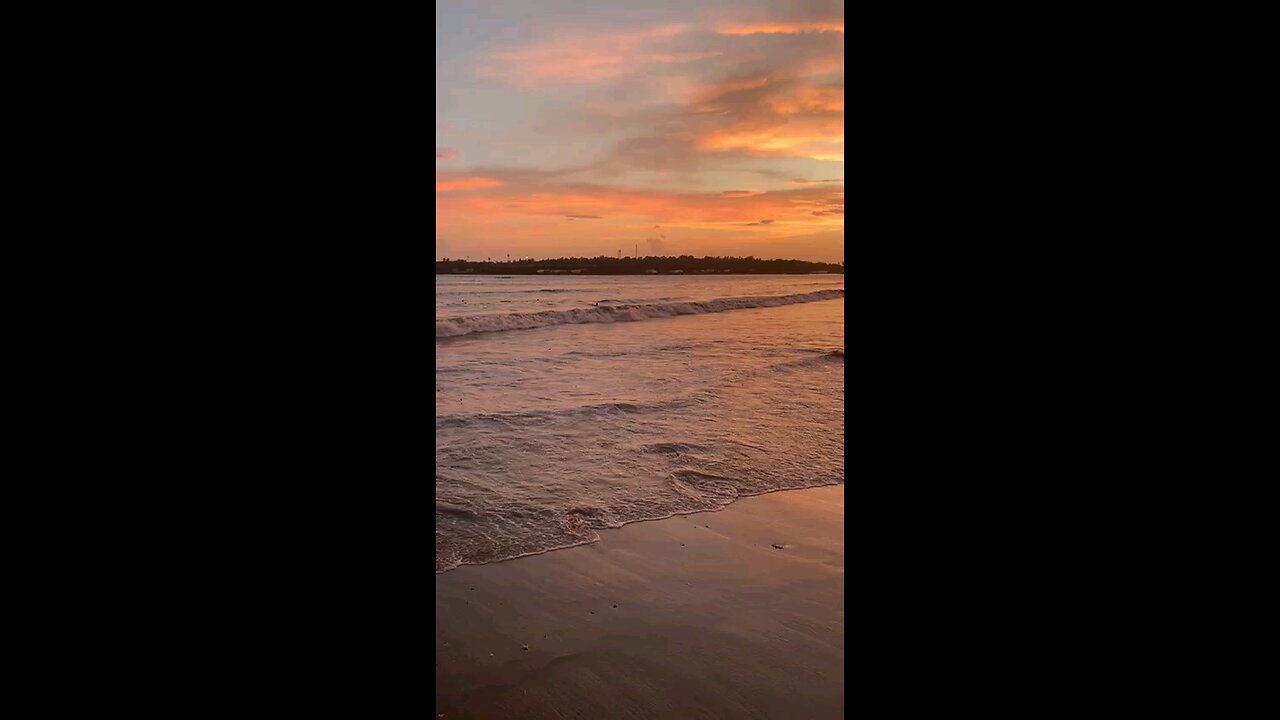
{"x":589,"y":58}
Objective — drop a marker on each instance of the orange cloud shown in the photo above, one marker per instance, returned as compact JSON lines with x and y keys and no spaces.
{"x":804,"y":222}
{"x":814,"y":138}
{"x":787,"y":28}
{"x":543,"y":210}
{"x":810,"y":98}
{"x":471,"y":183}
{"x":776,"y":115}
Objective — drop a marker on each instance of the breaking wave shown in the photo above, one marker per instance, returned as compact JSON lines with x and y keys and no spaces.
{"x":453,"y":327}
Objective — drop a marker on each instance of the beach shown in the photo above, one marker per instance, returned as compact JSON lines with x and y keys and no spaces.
{"x":737,"y":613}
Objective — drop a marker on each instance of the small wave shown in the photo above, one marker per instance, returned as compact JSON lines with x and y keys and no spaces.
{"x":453,"y":327}
{"x":469,"y":292}
{"x":656,"y":350}
{"x":449,"y":508}
{"x":710,"y":488}
{"x":828,"y":358}
{"x":672,"y":448}
{"x":597,"y":411}
{"x":695,"y":493}
{"x":611,"y":301}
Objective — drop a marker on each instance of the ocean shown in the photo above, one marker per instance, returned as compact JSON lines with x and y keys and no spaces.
{"x":570,"y":404}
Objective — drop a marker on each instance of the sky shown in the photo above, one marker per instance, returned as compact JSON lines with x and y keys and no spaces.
{"x":663,"y":127}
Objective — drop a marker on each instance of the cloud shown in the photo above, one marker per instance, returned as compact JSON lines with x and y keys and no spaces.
{"x":591,"y":56}
{"x":664,"y":153}
{"x":524,"y":200}
{"x":799,"y":181}
{"x":446,"y":153}
{"x":778,"y":114}
{"x":749,"y":96}
{"x":817,"y":136}
{"x":729,"y":86}
{"x":684,"y":99}
{"x":469,"y":183}
{"x":529,"y":217}
{"x":828,"y":98}
{"x":785,"y":28}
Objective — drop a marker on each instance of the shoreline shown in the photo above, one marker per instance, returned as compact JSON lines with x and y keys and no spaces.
{"x":599,"y":531}
{"x":731,"y":613}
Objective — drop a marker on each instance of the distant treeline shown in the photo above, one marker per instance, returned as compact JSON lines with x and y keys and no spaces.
{"x":603,"y":265}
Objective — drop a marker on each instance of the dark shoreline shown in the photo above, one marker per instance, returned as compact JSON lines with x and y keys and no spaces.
{"x":685,"y":265}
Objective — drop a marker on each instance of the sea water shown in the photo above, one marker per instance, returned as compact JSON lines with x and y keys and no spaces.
{"x":570,"y":404}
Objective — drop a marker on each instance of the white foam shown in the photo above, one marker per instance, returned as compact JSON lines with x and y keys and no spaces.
{"x":453,"y":327}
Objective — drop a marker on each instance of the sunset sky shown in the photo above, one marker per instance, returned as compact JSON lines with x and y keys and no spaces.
{"x":686,"y":127}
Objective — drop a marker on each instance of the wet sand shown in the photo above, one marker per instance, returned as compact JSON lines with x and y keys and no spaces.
{"x":697,"y":616}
